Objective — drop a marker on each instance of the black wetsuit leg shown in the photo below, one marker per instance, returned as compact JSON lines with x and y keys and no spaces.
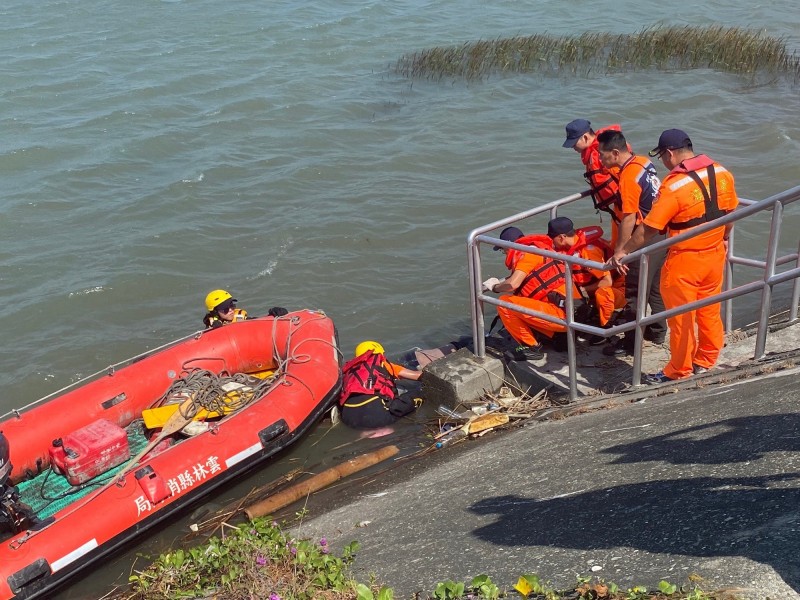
{"x":366,"y":411}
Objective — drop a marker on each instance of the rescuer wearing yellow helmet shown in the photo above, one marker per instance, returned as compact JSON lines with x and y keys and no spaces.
{"x":363,"y":347}
{"x":370,"y":398}
{"x":221,"y":307}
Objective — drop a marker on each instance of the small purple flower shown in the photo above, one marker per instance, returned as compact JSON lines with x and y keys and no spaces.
{"x":274,"y":596}
{"x":323,"y":542}
{"x":261,"y":560}
{"x":325,"y":550}
{"x":293,"y":550}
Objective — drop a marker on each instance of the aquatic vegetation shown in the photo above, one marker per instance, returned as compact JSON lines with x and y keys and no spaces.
{"x":730,"y":49}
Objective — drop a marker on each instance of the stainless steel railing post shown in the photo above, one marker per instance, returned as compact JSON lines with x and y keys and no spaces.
{"x":769,"y":271}
{"x":569,"y":308}
{"x":727,"y":283}
{"x":641,"y":310}
{"x":478,"y":325}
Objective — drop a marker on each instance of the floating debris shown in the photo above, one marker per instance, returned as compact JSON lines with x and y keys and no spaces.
{"x":729,"y":49}
{"x":494,"y":410}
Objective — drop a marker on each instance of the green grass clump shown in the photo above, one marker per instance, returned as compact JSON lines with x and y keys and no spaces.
{"x":254,"y":560}
{"x":730,"y":49}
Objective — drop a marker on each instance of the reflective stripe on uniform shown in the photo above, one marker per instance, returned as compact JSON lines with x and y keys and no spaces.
{"x":676,"y":185}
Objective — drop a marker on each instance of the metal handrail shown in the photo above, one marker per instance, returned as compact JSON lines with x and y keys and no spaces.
{"x":775,"y":203}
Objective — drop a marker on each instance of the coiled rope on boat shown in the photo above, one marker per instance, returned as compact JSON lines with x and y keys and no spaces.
{"x":218,"y":394}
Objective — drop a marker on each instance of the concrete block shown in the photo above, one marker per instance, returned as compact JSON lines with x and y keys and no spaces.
{"x":461,"y":377}
{"x":529,"y":378}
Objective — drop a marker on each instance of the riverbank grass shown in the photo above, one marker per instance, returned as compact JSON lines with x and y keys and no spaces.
{"x":258,"y":560}
{"x":253,"y":560}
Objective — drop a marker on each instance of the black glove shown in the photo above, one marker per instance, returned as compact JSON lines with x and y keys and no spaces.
{"x":277,"y":311}
{"x":557,"y":299}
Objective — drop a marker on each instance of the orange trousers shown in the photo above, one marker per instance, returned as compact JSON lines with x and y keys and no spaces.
{"x":607,"y":300}
{"x":685,"y":277}
{"x":520,"y":326}
{"x":614,"y":233}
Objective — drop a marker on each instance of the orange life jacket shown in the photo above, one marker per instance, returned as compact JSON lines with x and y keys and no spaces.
{"x":604,"y":186}
{"x":690,"y":166}
{"x":550,"y":275}
{"x":588,"y":236}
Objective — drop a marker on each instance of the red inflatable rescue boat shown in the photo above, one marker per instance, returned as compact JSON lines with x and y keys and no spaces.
{"x":84,"y":471}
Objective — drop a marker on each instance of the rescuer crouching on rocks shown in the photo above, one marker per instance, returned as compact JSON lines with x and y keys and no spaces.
{"x":603,"y":292}
{"x":536,"y":283}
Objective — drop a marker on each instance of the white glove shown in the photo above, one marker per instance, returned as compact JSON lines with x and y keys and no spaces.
{"x":489,"y":284}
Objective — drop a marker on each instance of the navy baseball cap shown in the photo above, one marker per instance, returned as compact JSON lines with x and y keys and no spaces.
{"x":559,"y":225}
{"x":575,"y":129}
{"x":671,"y":139}
{"x":509,"y":234}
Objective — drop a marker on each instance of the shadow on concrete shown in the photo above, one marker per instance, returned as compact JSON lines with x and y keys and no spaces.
{"x":756,"y":517}
{"x":704,"y":517}
{"x":736,"y":440}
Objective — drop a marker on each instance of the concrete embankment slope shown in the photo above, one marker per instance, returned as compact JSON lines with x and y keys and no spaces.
{"x":701,"y":481}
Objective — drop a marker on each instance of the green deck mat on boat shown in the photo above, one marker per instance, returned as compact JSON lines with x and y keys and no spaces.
{"x":48,"y":492}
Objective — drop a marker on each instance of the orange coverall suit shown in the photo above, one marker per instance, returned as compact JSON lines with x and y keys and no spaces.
{"x":694,"y":268}
{"x":606,"y":299}
{"x":520,"y":325}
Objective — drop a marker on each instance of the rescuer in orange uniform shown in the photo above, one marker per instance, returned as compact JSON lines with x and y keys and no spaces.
{"x":605,"y":190}
{"x":536,"y":283}
{"x":696,"y":191}
{"x":598,"y":288}
{"x":638,"y":186}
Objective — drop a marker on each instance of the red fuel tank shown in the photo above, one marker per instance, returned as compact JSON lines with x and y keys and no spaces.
{"x":90,"y":451}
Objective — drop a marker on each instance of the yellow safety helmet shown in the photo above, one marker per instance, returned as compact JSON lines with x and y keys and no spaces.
{"x":215,"y":298}
{"x":364,"y":347}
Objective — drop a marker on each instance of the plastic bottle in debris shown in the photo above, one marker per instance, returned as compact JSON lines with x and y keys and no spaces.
{"x":446,"y":411}
{"x":456,"y":434}
{"x":451,"y":414}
